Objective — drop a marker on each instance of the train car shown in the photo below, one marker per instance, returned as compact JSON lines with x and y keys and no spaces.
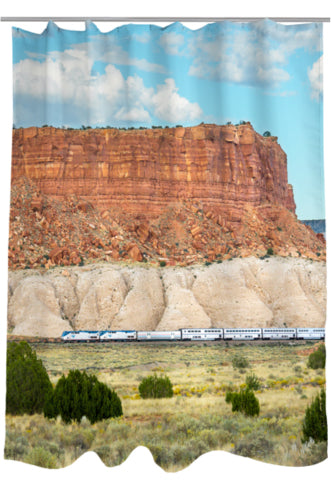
{"x":279,"y":333}
{"x":310,"y":333}
{"x":243,"y":334}
{"x":119,"y":335}
{"x":80,"y":336}
{"x":158,"y":335}
{"x":201,"y":334}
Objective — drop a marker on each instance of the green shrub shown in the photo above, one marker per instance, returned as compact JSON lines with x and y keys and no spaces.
{"x":15,"y":447}
{"x":156,"y":387}
{"x":41,"y":457}
{"x":270,"y":251}
{"x":79,"y":395}
{"x":244,"y":401}
{"x":163,"y":263}
{"x":317,"y":359}
{"x":254,"y":445}
{"x":239,"y":362}
{"x":252,"y":382}
{"x":28,"y":383}
{"x":315,"y":422}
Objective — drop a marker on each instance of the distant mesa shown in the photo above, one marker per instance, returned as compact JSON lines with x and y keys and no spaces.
{"x":318,"y":225}
{"x":179,"y":195}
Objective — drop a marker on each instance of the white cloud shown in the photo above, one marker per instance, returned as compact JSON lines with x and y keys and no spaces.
{"x":137,"y":91}
{"x":106,"y":50}
{"x":240,"y":66}
{"x":171,"y":42}
{"x":116,"y":55}
{"x":65,"y":78}
{"x":134,"y":114}
{"x":170,"y":106}
{"x":256,"y":56}
{"x":272,"y":74}
{"x":315,"y":75}
{"x":290,"y":38}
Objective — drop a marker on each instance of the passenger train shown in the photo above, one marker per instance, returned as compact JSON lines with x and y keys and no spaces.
{"x":198,"y":334}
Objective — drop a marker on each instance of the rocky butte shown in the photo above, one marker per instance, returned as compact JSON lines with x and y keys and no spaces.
{"x":180,"y":195}
{"x":143,"y":171}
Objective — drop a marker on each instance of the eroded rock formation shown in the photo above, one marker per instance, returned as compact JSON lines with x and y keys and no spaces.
{"x":238,"y":293}
{"x":172,"y":196}
{"x":142,"y":171}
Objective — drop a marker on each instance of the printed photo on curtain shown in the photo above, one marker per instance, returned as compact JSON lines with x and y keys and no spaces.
{"x":167,"y":255}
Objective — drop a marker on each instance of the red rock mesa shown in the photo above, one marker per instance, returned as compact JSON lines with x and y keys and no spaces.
{"x":178,"y":194}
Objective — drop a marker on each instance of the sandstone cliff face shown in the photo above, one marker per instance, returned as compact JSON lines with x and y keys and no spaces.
{"x":175,"y":196}
{"x":142,"y":171}
{"x":238,"y":293}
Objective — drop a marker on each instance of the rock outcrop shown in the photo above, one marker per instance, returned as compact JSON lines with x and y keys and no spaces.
{"x":143,"y":170}
{"x":237,"y":293}
{"x":171,"y":196}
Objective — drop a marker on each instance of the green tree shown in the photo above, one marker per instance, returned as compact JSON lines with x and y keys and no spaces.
{"x":245,"y":401}
{"x":267,"y":134}
{"x":316,"y":360}
{"x":102,"y":402}
{"x":315,"y":422}
{"x":156,"y":387}
{"x":28,"y":383}
{"x":81,"y":394}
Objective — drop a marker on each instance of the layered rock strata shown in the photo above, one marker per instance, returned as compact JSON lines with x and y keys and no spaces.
{"x":142,"y":171}
{"x":169,"y":196}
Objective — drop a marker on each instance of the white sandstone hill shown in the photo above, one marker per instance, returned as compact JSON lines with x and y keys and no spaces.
{"x":245,"y":292}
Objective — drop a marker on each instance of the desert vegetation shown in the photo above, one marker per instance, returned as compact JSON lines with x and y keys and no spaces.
{"x":317,"y":358}
{"x":28,"y":383}
{"x":80,"y":394}
{"x":156,"y":387}
{"x":315,"y":422}
{"x":243,"y":401}
{"x":195,"y":420}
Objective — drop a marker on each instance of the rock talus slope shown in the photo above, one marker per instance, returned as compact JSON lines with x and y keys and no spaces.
{"x":177,"y":195}
{"x":238,"y":293}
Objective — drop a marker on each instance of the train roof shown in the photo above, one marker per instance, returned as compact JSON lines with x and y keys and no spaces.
{"x":117,"y":330}
{"x":65,"y":333}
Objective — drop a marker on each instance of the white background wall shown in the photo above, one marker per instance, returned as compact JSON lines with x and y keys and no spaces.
{"x":213,"y":473}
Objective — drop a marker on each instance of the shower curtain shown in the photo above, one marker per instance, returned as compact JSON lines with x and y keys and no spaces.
{"x":166,"y":258}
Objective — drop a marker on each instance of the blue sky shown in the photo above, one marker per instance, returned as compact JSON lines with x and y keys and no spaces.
{"x":143,"y":75}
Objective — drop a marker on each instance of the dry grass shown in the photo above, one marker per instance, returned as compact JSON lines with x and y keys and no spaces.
{"x":196,"y":420}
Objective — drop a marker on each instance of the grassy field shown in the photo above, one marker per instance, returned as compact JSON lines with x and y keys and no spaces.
{"x":196,"y":420}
